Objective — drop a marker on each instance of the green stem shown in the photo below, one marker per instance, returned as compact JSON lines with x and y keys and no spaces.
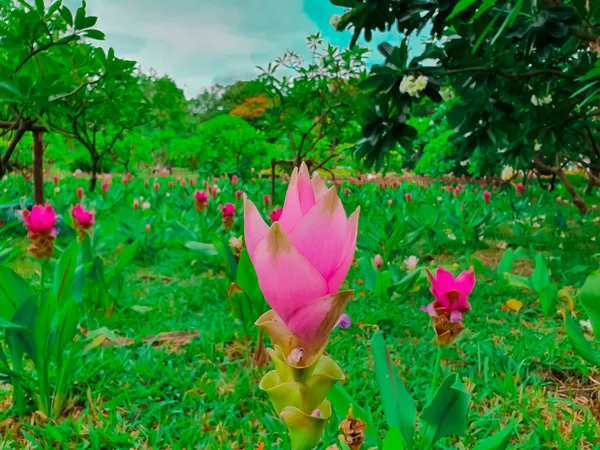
{"x":436,"y":372}
{"x":42,"y":267}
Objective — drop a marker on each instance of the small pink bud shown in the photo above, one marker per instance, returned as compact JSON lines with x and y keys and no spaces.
{"x":146,"y":183}
{"x":558,"y":200}
{"x":390,"y":202}
{"x":27,"y":177}
{"x":234,"y":180}
{"x":520,"y":189}
{"x":104,"y":188}
{"x":346,"y":191}
{"x":378,"y":260}
{"x":276,"y":214}
{"x":136,"y":204}
{"x":486,"y":197}
{"x":148,"y":228}
{"x":566,"y":202}
{"x":408,"y":198}
{"x":192,"y":182}
{"x":79,"y":193}
{"x":494,"y":188}
{"x":266,"y":200}
{"x":238,"y":194}
{"x":443,"y":189}
{"x":55,"y":180}
{"x":156,"y":187}
{"x":170,"y":185}
{"x":253,"y":180}
{"x":450,"y":188}
{"x":183,"y":183}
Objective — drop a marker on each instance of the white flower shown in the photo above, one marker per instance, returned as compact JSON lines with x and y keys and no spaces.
{"x":507,"y":173}
{"x":586,"y":324}
{"x":439,"y":199}
{"x":451,"y":236}
{"x":335,"y":20}
{"x":447,"y":94}
{"x":407,"y":83}
{"x":534,"y":100}
{"x":421,"y":82}
{"x":537,"y":146}
{"x":146,"y":205}
{"x":541,"y":101}
{"x":411,"y":263}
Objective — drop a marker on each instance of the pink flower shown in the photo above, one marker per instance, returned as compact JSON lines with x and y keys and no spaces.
{"x":82,"y":220}
{"x":156,"y":187}
{"x":301,"y":262}
{"x":411,"y":263}
{"x":494,"y":188}
{"x":346,"y":191}
{"x":104,"y":188}
{"x":234,"y":180}
{"x":228,"y":209}
{"x":27,"y":177}
{"x":378,"y":261}
{"x":344,"y":321}
{"x":408,"y":198}
{"x":450,"y":293}
{"x":40,"y":222}
{"x":146,"y":183}
{"x":79,"y":193}
{"x":136,"y":204}
{"x":276,"y":215}
{"x":566,"y":202}
{"x":520,"y":189}
{"x":148,"y":228}
{"x":266,"y":199}
{"x":170,"y":185}
{"x":183,"y":183}
{"x":55,"y":180}
{"x":201,"y":196}
{"x":192,"y":182}
{"x":238,"y":194}
{"x":487,"y":197}
{"x":450,"y":188}
{"x":443,"y":189}
{"x":558,"y":200}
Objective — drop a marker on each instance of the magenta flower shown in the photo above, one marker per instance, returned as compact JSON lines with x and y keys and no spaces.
{"x":378,"y":261}
{"x":104,"y":188}
{"x":156,"y":187}
{"x":520,"y":189}
{"x":238,"y":194}
{"x":146,"y":183}
{"x":79,"y":193}
{"x":276,"y":215}
{"x":228,"y":209}
{"x":170,"y":185}
{"x":82,"y":220}
{"x":344,"y":321}
{"x":301,"y":262}
{"x":201,"y":198}
{"x":450,"y":293}
{"x":487,"y":197}
{"x":234,"y":180}
{"x":40,"y":222}
{"x":55,"y":180}
{"x":266,"y":200}
{"x":408,"y":198}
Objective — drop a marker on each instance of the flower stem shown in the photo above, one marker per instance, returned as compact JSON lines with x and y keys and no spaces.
{"x":436,"y":372}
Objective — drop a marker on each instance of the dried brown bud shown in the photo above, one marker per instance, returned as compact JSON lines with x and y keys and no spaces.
{"x":354,"y":431}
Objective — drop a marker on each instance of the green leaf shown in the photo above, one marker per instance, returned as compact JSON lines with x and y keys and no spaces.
{"x":382,"y":284}
{"x":95,"y":34}
{"x":39,"y":5}
{"x":487,"y":30}
{"x":79,"y":18}
{"x":67,"y":15}
{"x":446,"y":415}
{"x":368,"y":273}
{"x":393,"y":440}
{"x":481,"y":269}
{"x":398,"y":405}
{"x":128,"y":254}
{"x":141,"y":309}
{"x":518,"y":281}
{"x":498,"y":441}
{"x":506,"y":262}
{"x":487,"y":4}
{"x":247,"y":280}
{"x":13,"y":292}
{"x":53,"y":8}
{"x":8,"y":324}
{"x":64,"y":273}
{"x":341,"y":400}
{"x":5,"y":85}
{"x":545,"y":288}
{"x":580,"y":344}
{"x":590,"y":300}
{"x":200,"y":247}
{"x":460,"y":7}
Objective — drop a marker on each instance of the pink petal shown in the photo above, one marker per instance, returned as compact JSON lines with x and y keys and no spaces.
{"x":255,"y":228}
{"x":456,"y":316}
{"x":337,"y":278}
{"x":305,"y":190}
{"x":318,"y":186}
{"x":287,"y":280}
{"x":314,"y":321}
{"x":321,"y":235}
{"x":465,"y":283}
{"x":292,"y":212}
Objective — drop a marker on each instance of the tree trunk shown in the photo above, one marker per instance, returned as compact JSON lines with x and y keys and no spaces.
{"x":38,"y":167}
{"x":577,"y":200}
{"x":12,"y":145}
{"x":553,"y":182}
{"x":94,"y":181}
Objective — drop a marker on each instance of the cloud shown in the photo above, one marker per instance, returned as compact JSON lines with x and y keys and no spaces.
{"x":199,"y":42}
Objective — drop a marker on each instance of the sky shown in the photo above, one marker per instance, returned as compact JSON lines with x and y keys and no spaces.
{"x":202,"y":42}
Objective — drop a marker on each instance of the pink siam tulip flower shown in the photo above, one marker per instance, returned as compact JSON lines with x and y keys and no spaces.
{"x":238,"y":194}
{"x":136,"y":204}
{"x":27,"y":177}
{"x":520,"y":189}
{"x":170,"y":185}
{"x":55,"y":180}
{"x":301,"y":262}
{"x":125,"y":179}
{"x":494,"y":188}
{"x":276,"y":215}
{"x":266,"y":200}
{"x":178,"y":178}
{"x":450,"y":188}
{"x":40,"y":222}
{"x":558,"y":200}
{"x":487,"y":196}
{"x":408,"y":197}
{"x":228,"y":210}
{"x":344,"y":321}
{"x":234,"y":180}
{"x":566,"y":202}
{"x":156,"y":187}
{"x":201,"y":198}
{"x":450,"y":294}
{"x":346,"y":191}
{"x":205,"y":183}
{"x":390,"y":202}
{"x":148,"y":228}
{"x":411,"y":263}
{"x":183,"y":183}
{"x":104,"y":188}
{"x":253,"y":180}
{"x":192,"y":182}
{"x":82,"y":220}
{"x":108,"y":178}
{"x":146,"y":183}
{"x":378,"y":261}
{"x":79,"y":193}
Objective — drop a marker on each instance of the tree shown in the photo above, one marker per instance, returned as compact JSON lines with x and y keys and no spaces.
{"x":313,"y":105}
{"x":35,"y":71}
{"x":527,"y":75}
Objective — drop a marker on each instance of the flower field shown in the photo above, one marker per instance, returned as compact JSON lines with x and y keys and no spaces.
{"x":164,"y":353}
